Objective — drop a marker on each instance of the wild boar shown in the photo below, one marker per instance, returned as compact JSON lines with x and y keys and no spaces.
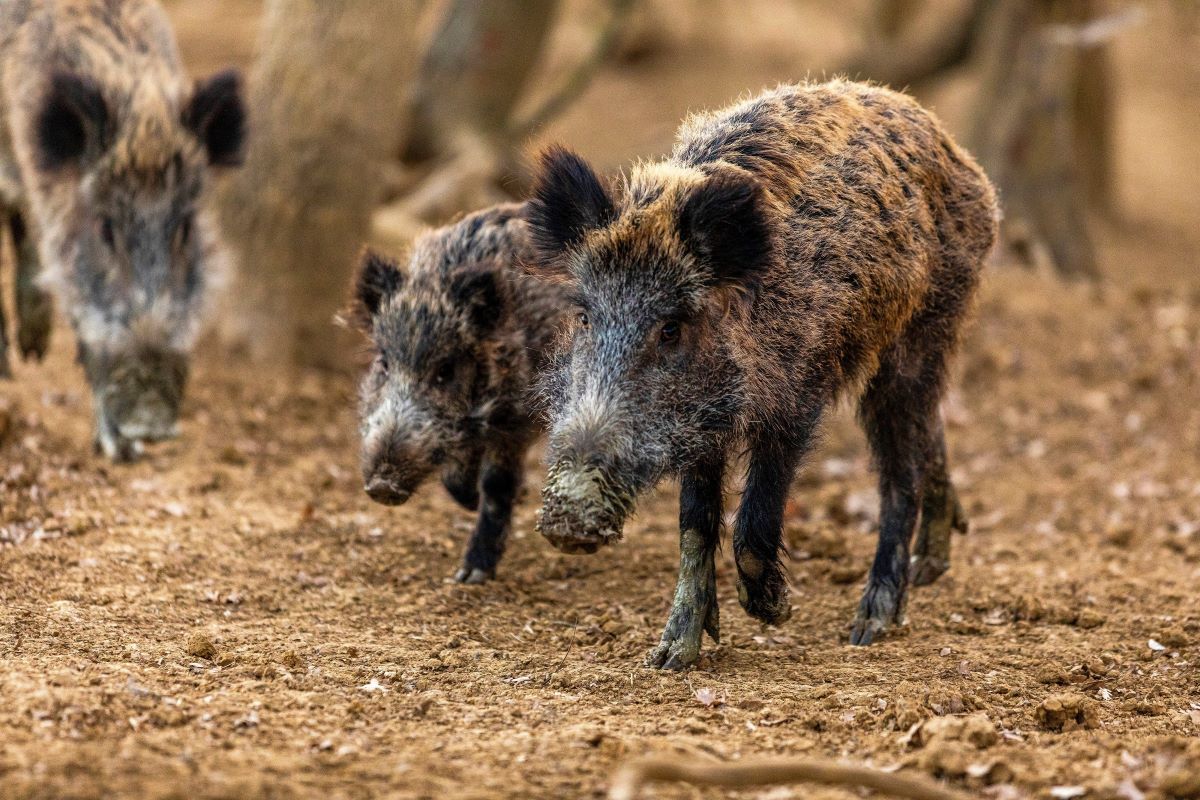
{"x":812,"y":243}
{"x":106,"y":149}
{"x":458,"y":336}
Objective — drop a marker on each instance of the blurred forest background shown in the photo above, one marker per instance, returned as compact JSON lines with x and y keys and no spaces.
{"x":373,"y":119}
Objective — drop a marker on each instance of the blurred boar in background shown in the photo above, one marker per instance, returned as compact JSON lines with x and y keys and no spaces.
{"x":459,"y":335}
{"x":105,"y":152}
{"x":814,"y":242}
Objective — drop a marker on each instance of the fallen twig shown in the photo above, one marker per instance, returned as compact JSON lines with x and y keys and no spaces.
{"x":631,"y":777}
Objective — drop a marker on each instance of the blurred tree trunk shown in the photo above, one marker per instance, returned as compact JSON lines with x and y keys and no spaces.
{"x":475,"y":71}
{"x":324,"y":118}
{"x":1092,"y":110}
{"x":1044,"y":118}
{"x":904,"y":50}
{"x":463,"y":141}
{"x":1031,"y":136}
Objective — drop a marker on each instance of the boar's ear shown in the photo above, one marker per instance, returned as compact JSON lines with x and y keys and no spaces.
{"x":568,"y":201}
{"x":477,"y":290}
{"x":378,"y":279}
{"x":72,"y":123}
{"x":217,"y":117}
{"x":723,"y":223}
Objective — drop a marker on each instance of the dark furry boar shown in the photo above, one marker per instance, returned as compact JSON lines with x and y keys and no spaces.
{"x":458,"y":337}
{"x":812,"y":243}
{"x":105,"y":150}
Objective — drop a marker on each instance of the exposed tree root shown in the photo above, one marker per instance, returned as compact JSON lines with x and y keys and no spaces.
{"x":631,"y":777}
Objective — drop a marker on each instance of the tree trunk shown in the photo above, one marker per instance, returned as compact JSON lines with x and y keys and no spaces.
{"x":463,"y":142}
{"x":475,"y":72}
{"x":904,"y":49}
{"x":1026,"y":133}
{"x":324,"y":118}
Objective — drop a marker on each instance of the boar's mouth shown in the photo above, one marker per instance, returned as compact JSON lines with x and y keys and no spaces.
{"x":137,"y":398}
{"x":388,"y":489}
{"x":583,"y":508}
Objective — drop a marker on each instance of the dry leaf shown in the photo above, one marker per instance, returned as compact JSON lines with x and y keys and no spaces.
{"x":1067,"y":792}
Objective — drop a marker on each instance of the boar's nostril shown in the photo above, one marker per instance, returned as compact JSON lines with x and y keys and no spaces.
{"x":382,"y":490}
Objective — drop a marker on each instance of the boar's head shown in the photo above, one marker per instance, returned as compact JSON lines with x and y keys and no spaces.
{"x":425,"y":398}
{"x":646,"y":381}
{"x":126,"y":243}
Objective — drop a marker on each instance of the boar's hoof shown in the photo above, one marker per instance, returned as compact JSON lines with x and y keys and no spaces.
{"x":677,"y":655}
{"x":473,"y":575}
{"x":766,"y":601}
{"x":881,"y":606}
{"x":5,"y":369}
{"x":924,"y":570}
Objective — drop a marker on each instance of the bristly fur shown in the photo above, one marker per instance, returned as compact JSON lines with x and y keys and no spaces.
{"x":722,"y":222}
{"x":379,"y":277}
{"x":459,"y":335}
{"x":106,"y":146}
{"x":73,"y":120}
{"x":217,"y":117}
{"x":813,"y":242}
{"x":568,"y":201}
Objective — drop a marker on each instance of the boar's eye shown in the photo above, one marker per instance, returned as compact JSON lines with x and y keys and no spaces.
{"x":445,"y":372}
{"x":381,"y":359}
{"x":669,"y":333}
{"x":583,"y":319}
{"x":107,"y":235}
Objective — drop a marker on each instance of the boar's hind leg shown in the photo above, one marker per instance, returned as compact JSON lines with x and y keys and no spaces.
{"x":899,"y":413}
{"x":34,"y":310}
{"x":694,"y":609}
{"x":500,"y":482}
{"x":941,"y":514}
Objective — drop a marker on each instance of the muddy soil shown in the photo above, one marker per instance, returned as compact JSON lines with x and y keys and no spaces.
{"x":233,"y":618}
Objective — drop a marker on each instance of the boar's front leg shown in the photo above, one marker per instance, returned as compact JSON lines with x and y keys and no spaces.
{"x":34,"y":309}
{"x":461,"y":478}
{"x":762,"y":586}
{"x":695,"y":607}
{"x":499,"y":484}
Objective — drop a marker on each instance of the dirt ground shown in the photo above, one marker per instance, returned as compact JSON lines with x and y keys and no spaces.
{"x":232,"y":617}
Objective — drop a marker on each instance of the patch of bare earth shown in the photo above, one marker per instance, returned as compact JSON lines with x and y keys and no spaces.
{"x":233,"y":618}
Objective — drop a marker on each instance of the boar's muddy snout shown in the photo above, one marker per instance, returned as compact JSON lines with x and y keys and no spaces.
{"x":583,"y":508}
{"x":137,"y":395}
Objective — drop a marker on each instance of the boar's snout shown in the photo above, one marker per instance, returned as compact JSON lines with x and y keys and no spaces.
{"x":583,"y":507}
{"x":383,"y":489}
{"x":137,"y":395}
{"x":392,"y":472}
{"x":150,"y":420}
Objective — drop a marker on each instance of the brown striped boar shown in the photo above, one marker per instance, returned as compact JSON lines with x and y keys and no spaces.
{"x":106,"y":149}
{"x":458,"y":335}
{"x":812,"y":243}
